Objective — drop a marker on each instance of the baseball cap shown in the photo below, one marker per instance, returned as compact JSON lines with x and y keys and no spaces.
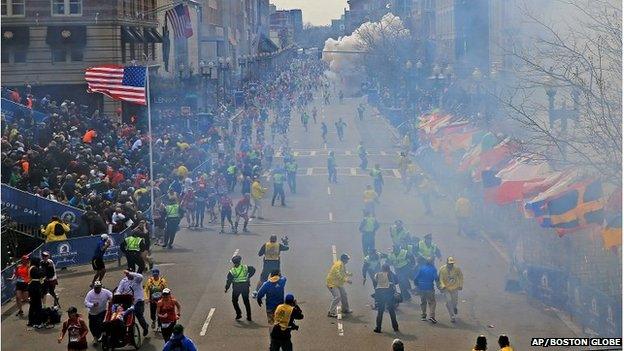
{"x":166,"y":291}
{"x":97,"y":283}
{"x":45,"y":254}
{"x":104,"y":236}
{"x":344,"y":257}
{"x":450,"y":259}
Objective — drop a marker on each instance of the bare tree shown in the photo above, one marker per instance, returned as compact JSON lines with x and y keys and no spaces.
{"x":581,"y":57}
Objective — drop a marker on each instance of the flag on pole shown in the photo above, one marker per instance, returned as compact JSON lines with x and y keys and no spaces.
{"x":118,"y":82}
{"x":180,"y":20}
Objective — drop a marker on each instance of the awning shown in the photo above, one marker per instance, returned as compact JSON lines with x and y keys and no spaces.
{"x":266,"y":45}
{"x":131,"y":35}
{"x":15,"y":36}
{"x":67,"y":35}
{"x":151,"y":35}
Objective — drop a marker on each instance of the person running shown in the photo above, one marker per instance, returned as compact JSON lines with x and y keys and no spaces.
{"x":332,"y":173}
{"x":384,"y":283}
{"x":50,"y":281}
{"x":271,"y":251}
{"x":168,"y":310}
{"x":153,"y":290}
{"x":21,"y":276}
{"x":425,"y":278}
{"x":278,"y":186}
{"x":131,"y":284}
{"x":463,"y":212}
{"x":314,"y":114}
{"x":173,"y":215}
{"x":257,"y":194}
{"x":225,"y":204}
{"x":377,"y":176}
{"x":284,"y":323}
{"x":76,"y":329}
{"x":371,"y":199}
{"x":305,"y":118}
{"x":340,"y":125}
{"x":402,"y":261}
{"x":360,"y":111}
{"x":242,"y":210}
{"x":96,"y":301}
{"x":451,"y":282}
{"x":336,"y":278}
{"x":324,"y":132}
{"x":200,"y":205}
{"x":97,"y":261}
{"x":291,"y":174}
{"x":238,"y":277}
{"x":179,"y":341}
{"x":368,"y":227}
{"x":273,"y":289}
{"x":362,"y":154}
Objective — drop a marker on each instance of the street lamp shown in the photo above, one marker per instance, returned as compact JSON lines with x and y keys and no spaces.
{"x":181,"y":69}
{"x":206,"y":72}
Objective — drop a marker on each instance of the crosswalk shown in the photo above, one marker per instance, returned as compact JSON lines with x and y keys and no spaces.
{"x":347,"y":153}
{"x":342,"y":171}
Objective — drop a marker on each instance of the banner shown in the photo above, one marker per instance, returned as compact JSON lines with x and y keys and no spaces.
{"x":7,"y":285}
{"x":12,"y":110}
{"x":79,"y":251}
{"x":34,"y":210}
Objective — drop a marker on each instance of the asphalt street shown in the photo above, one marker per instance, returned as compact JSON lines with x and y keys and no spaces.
{"x":321,"y":221}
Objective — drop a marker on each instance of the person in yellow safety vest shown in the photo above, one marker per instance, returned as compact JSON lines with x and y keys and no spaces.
{"x":411,"y":176}
{"x":173,"y":214}
{"x":402,"y":261}
{"x":257,"y":193}
{"x":398,"y":234}
{"x":238,"y":278}
{"x":377,"y":179}
{"x":503,"y":342}
{"x":361,"y":151}
{"x":403,"y":162}
{"x":451,"y":282}
{"x":278,"y":186}
{"x":153,"y":290}
{"x":271,"y":252}
{"x":368,"y":227}
{"x":370,"y":199}
{"x":291,"y":174}
{"x":463,"y":211}
{"x":284,"y":319}
{"x":383,"y":282}
{"x":132,"y":246}
{"x":336,"y":278}
{"x":56,"y":230}
{"x":427,"y":250}
{"x":230,"y":176}
{"x":371,"y":265}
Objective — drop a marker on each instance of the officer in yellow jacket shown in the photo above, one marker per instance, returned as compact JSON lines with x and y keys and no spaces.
{"x":257,"y":194}
{"x":271,"y":251}
{"x":451,"y":282}
{"x":284,"y":319}
{"x":336,"y":278}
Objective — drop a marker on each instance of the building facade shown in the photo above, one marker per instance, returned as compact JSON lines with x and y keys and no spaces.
{"x":286,"y":27}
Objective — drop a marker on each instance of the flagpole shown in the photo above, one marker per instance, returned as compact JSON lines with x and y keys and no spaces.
{"x":151,"y":153}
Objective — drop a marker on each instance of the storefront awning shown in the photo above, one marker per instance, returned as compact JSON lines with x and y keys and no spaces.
{"x":131,"y":34}
{"x":151,"y":35}
{"x":67,"y":35}
{"x":266,"y":45}
{"x":15,"y":36}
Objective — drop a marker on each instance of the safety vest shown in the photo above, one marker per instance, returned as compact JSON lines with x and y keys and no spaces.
{"x":398,"y":260}
{"x":426,"y":251}
{"x":272,"y":251}
{"x":291,"y":167}
{"x":369,"y":224}
{"x":240,"y":274}
{"x":133,"y":243}
{"x":374,"y":264}
{"x":375,"y":173}
{"x":361,"y":151}
{"x":398,"y":236}
{"x":282,"y":315}
{"x":278,"y":178}
{"x":383,"y":281}
{"x":173,"y":211}
{"x":231,"y":170}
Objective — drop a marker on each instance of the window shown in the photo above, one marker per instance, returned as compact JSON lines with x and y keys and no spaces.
{"x":6,"y":57}
{"x":14,"y":54}
{"x":19,"y":56}
{"x":14,"y":8}
{"x":59,"y":55}
{"x":77,"y":55}
{"x":66,"y":7}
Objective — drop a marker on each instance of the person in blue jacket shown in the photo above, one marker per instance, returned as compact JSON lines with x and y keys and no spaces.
{"x":273,"y":288}
{"x":178,"y":341}
{"x":425,"y":279}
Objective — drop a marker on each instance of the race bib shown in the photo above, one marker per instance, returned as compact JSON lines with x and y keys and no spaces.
{"x":165,"y":325}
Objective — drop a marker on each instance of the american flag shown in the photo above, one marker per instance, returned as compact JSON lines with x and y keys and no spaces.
{"x":118,"y":82}
{"x":181,"y":21}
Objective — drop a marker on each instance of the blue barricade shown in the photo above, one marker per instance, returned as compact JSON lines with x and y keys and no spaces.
{"x":34,"y":210}
{"x":7,"y":285}
{"x":12,"y":110}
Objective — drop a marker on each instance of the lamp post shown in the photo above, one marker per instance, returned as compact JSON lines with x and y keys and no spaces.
{"x":563,"y":113}
{"x":181,"y":70}
{"x":477,"y":76}
{"x":206,"y":72}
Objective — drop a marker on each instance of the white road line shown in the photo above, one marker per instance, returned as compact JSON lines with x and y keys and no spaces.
{"x":328,"y":191}
{"x":313,"y":153}
{"x":309,"y":171}
{"x":334,"y":253}
{"x":331,"y":216}
{"x":165,"y":264}
{"x":339,"y":324}
{"x":296,"y":153}
{"x":396,"y":173}
{"x":207,"y":322}
{"x":348,"y":152}
{"x":325,"y":146}
{"x":353,"y":171}
{"x":383,"y":153}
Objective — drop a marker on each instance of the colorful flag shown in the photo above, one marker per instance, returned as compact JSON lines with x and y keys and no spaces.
{"x":515,"y":176}
{"x":118,"y":82}
{"x":180,"y":20}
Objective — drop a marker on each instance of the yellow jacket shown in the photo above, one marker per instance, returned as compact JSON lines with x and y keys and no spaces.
{"x":337,"y":275}
{"x":507,"y":348}
{"x":463,"y":208}
{"x":48,"y":232}
{"x":369,"y":195}
{"x":451,"y":279}
{"x":159,"y":284}
{"x":257,"y":191}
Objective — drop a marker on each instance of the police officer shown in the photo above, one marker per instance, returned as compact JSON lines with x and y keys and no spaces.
{"x":291,"y":174}
{"x":402,"y":262}
{"x":377,"y":179}
{"x":173,"y":215}
{"x":278,"y":187}
{"x":383,"y":282}
{"x":132,"y":246}
{"x":398,"y":234}
{"x":427,"y":250}
{"x":238,"y":278}
{"x":231,"y":171}
{"x":368,"y":227}
{"x":271,"y":252}
{"x":372,"y":264}
{"x":284,"y":319}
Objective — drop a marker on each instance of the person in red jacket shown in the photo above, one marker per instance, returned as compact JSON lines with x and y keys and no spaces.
{"x":242,"y":209}
{"x":77,"y":330}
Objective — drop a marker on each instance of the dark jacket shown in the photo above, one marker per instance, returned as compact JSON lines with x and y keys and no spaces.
{"x":278,"y":333}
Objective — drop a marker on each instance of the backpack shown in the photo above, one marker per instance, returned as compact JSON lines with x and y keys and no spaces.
{"x":58,"y":229}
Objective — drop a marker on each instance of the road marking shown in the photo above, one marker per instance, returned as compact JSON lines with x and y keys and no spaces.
{"x":331,"y":216}
{"x":208,"y":318}
{"x":383,"y":153}
{"x":396,"y":173}
{"x":309,"y":171}
{"x":325,"y":146}
{"x":328,"y":191}
{"x":165,"y":264}
{"x":235,"y":253}
{"x":313,"y":153}
{"x":348,"y":152}
{"x":334,"y":253}
{"x":296,"y":153}
{"x":339,"y":324}
{"x":353,"y":171}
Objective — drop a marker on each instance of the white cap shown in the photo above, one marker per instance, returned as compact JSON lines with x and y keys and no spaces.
{"x":166,"y":291}
{"x":104,"y":236}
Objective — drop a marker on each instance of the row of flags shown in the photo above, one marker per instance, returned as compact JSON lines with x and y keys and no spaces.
{"x":563,"y":200}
